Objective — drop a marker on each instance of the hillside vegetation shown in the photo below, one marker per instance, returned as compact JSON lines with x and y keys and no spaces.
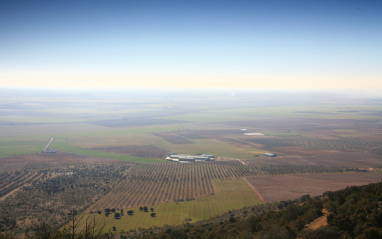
{"x":352,"y":213}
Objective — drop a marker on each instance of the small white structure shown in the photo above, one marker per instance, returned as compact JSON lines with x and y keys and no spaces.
{"x":270,"y":155}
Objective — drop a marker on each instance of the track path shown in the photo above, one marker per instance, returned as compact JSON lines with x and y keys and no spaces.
{"x":47,"y":146}
{"x":261,"y":199}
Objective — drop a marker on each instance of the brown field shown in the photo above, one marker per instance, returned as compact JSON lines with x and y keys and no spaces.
{"x":213,"y":133}
{"x":280,"y":160}
{"x":144,"y":151}
{"x":58,"y":158}
{"x":150,"y":184}
{"x":289,"y":187}
{"x":334,"y":158}
{"x":235,"y":142}
{"x":173,"y":138}
{"x":348,"y":159}
{"x":190,"y":135}
{"x":353,"y":144}
{"x":302,"y":151}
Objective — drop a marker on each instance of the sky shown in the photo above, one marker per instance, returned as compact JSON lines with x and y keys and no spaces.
{"x":288,"y":44}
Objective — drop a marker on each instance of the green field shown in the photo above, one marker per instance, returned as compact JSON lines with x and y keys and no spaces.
{"x":211,"y":146}
{"x":231,"y":194}
{"x":13,"y":148}
{"x":72,"y":149}
{"x":84,"y":136}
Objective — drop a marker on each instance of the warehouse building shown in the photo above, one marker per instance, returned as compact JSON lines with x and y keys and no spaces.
{"x":190,"y":158}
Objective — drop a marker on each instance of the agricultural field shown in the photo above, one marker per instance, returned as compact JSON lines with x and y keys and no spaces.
{"x":112,"y":149}
{"x":144,"y":151}
{"x":93,"y":153}
{"x":12,"y":148}
{"x":289,"y":187}
{"x":59,"y":158}
{"x":154,"y":184}
{"x":11,"y":182}
{"x":230,"y":194}
{"x":336,"y":144}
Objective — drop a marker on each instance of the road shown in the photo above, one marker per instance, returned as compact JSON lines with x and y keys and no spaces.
{"x":47,"y":146}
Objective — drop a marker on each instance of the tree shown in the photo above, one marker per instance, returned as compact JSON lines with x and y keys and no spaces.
{"x":117,"y":215}
{"x":130,"y":212}
{"x":254,"y":223}
{"x":325,"y":232}
{"x":145,"y":209}
{"x":91,"y":230}
{"x":153,"y":214}
{"x":304,"y":198}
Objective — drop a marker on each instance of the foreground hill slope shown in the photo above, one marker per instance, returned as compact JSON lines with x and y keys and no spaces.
{"x":354,"y":212}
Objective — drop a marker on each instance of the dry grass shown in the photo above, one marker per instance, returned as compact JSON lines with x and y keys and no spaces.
{"x":319,"y":222}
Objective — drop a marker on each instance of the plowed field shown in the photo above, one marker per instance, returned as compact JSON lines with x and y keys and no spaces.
{"x":288,"y":187}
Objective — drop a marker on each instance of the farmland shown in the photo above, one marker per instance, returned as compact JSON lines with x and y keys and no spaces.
{"x":154,"y":184}
{"x":229,"y":195}
{"x":336,"y":144}
{"x":112,"y":149}
{"x":289,"y":187}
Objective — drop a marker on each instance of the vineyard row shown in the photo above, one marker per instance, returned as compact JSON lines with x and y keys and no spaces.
{"x":150,"y":184}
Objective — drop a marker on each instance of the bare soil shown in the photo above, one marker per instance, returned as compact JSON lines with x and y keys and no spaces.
{"x":280,"y":160}
{"x":297,"y":155}
{"x":173,"y":138}
{"x":302,"y":151}
{"x":144,"y":151}
{"x":289,"y":187}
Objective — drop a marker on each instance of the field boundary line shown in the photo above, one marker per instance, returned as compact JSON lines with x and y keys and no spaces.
{"x":261,"y":199}
{"x":235,"y":159}
{"x":302,"y":159}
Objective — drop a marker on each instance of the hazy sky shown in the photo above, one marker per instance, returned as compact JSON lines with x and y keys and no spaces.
{"x":191,"y":44}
